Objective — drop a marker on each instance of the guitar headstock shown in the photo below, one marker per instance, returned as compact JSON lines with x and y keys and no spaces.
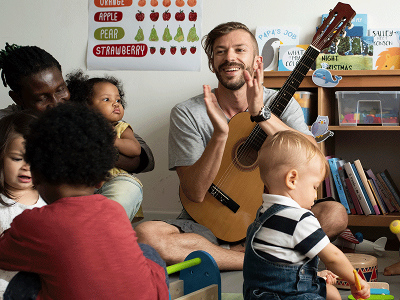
{"x":333,"y":25}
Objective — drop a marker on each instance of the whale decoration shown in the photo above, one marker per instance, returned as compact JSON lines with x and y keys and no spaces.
{"x":323,"y":77}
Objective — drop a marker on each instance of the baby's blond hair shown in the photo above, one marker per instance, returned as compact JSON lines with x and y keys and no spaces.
{"x":287,"y":150}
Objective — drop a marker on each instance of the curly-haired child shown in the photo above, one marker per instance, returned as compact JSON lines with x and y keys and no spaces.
{"x":286,"y":239}
{"x":17,"y":192}
{"x":106,"y":95}
{"x":81,"y":245}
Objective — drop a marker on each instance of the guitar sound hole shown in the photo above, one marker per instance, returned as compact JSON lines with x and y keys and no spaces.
{"x":245,"y":157}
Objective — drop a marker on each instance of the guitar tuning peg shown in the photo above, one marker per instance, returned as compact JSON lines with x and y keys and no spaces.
{"x":350,"y":25}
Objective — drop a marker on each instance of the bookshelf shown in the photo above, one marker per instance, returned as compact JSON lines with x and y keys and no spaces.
{"x":375,"y":146}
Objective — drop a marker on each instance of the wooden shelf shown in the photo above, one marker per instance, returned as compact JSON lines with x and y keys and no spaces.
{"x":373,"y":220}
{"x":375,"y":142}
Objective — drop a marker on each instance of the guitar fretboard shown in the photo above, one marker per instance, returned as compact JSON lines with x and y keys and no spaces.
{"x":278,"y":105}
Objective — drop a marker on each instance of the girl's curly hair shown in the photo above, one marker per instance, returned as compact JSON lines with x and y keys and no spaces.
{"x":81,"y":87}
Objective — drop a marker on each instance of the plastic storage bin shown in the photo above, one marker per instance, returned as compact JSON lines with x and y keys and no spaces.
{"x":368,"y":108}
{"x":304,"y":99}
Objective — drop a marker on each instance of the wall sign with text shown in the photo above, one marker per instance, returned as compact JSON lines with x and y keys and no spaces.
{"x":144,"y":35}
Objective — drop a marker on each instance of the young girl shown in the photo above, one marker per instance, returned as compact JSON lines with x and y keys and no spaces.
{"x":17,"y":192}
{"x":106,"y":95}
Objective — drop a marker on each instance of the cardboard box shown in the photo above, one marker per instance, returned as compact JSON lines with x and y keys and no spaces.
{"x":368,"y":108}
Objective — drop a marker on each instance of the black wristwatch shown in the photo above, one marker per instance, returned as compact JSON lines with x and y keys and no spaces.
{"x":265,"y":114}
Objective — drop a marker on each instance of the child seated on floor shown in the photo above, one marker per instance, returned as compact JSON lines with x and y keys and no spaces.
{"x":17,"y":192}
{"x":81,"y":245}
{"x":285,"y":241}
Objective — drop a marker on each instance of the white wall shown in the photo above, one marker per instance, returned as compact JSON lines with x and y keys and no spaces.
{"x":60,"y":27}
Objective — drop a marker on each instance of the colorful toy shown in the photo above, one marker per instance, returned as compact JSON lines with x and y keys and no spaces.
{"x":366,"y":267}
{"x":199,"y":278}
{"x":357,"y":243}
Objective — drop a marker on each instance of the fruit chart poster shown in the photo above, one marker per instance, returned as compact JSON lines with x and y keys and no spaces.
{"x":157,"y":35}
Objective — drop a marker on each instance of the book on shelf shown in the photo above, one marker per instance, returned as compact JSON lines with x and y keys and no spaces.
{"x":338,"y":184}
{"x":363,"y":189}
{"x":391,"y":185}
{"x":330,"y":185}
{"x":269,"y":39}
{"x":386,"y":48}
{"x":357,"y":188}
{"x":364,"y":180}
{"x":380,"y":203}
{"x":387,"y":192}
{"x":289,"y":56}
{"x":381,"y":193}
{"x":354,"y":197}
{"x":342,"y":176}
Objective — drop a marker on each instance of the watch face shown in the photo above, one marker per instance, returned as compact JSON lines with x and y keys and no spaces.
{"x":266,"y":113}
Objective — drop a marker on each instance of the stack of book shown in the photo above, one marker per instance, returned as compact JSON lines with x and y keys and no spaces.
{"x":361,"y":191}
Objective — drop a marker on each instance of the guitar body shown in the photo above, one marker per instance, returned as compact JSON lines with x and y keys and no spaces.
{"x":233,"y":199}
{"x":239,"y":177}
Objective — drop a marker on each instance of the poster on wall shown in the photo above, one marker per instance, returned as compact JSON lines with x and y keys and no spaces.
{"x":157,"y":35}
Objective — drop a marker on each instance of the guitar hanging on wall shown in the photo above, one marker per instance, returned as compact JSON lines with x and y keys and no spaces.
{"x":233,"y":199}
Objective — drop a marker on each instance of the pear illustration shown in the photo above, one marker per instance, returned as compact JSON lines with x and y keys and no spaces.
{"x":192,"y":36}
{"x":179,"y":37}
{"x":139,"y":36}
{"x":167,"y":35}
{"x":153,"y":35}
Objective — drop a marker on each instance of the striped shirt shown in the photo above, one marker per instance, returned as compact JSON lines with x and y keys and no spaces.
{"x":290,"y":236}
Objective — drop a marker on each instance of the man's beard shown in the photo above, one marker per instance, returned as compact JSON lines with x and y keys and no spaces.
{"x":233,"y":86}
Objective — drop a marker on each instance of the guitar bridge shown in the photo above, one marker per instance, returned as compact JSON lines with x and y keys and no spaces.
{"x":223,"y":198}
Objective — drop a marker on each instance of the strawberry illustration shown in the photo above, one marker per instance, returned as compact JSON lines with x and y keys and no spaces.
{"x":173,"y":50}
{"x":166,"y":15}
{"x":139,"y":16}
{"x":152,"y":50}
{"x":192,"y":15}
{"x":162,"y":50}
{"x":180,"y":15}
{"x":183,"y":50}
{"x":193,"y":49}
{"x":154,"y":15}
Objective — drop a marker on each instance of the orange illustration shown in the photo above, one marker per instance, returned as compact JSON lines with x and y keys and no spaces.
{"x":142,"y":3}
{"x":389,"y":59}
{"x":180,"y":3}
{"x":166,"y":3}
{"x":154,"y":3}
{"x":192,"y":3}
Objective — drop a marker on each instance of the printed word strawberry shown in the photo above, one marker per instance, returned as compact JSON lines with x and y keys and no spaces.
{"x":193,"y":49}
{"x":183,"y":50}
{"x":154,"y":15}
{"x":139,"y":16}
{"x":166,"y":15}
{"x":192,"y":16}
{"x":152,"y":50}
{"x":173,"y":50}
{"x":162,"y":50}
{"x":180,"y":16}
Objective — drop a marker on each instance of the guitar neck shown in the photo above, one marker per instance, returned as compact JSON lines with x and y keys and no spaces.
{"x":293,"y":82}
{"x":284,"y":95}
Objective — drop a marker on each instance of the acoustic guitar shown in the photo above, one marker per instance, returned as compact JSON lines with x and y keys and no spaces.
{"x":233,"y":199}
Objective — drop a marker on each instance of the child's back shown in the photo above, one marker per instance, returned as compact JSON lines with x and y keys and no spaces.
{"x":86,"y":249}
